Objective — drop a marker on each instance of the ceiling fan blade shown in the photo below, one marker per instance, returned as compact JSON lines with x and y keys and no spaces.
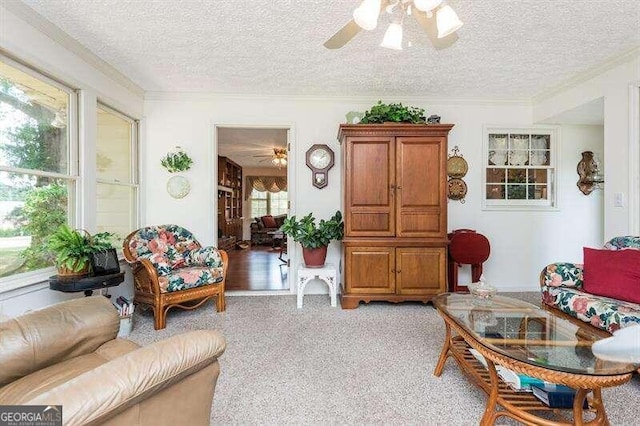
{"x":343,"y":35}
{"x":431,"y":28}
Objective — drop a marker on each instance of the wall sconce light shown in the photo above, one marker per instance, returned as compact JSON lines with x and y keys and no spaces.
{"x":591,"y":177}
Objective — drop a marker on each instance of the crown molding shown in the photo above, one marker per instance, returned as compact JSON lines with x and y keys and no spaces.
{"x":588,"y":74}
{"x":366,"y":100}
{"x":54,"y":32}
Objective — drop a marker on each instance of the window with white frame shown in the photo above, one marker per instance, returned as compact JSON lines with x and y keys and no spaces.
{"x":264,"y":203}
{"x":38,"y":165}
{"x":520,"y":168}
{"x":117,"y":172}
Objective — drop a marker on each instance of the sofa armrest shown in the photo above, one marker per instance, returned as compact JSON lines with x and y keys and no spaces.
{"x":562,"y":274}
{"x":38,"y":339}
{"x":113,"y":387}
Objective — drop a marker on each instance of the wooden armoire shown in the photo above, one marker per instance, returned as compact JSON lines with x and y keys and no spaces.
{"x":395,"y":212}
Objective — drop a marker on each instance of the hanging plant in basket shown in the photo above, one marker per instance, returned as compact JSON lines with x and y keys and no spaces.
{"x":397,"y":113}
{"x":177,"y":161}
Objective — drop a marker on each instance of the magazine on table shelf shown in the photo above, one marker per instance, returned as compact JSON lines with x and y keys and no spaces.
{"x":556,"y":396}
{"x":518,"y":382}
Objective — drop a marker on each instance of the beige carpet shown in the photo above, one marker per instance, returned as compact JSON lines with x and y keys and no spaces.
{"x":324,"y":365}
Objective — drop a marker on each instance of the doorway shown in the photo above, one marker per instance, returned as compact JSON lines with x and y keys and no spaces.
{"x":252,"y":201}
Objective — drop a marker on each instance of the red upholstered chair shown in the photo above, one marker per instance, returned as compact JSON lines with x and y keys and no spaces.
{"x":466,"y":247}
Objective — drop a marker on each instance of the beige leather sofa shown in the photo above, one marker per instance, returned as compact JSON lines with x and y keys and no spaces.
{"x":68,"y":354}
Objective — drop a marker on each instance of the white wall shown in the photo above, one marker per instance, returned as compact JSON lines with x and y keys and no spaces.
{"x":27,"y":37}
{"x":522,"y":242}
{"x":615,"y":86}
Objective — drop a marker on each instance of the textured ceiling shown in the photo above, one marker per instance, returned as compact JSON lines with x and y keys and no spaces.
{"x":250,"y":147}
{"x":507,"y":48}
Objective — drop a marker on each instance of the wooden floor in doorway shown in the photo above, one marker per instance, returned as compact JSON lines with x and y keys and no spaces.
{"x":256,"y":268}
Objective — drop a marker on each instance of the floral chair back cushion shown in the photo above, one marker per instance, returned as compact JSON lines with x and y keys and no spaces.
{"x":623,"y":243}
{"x":166,"y":246}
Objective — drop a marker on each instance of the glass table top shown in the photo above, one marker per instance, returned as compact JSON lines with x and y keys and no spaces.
{"x":527,"y":333}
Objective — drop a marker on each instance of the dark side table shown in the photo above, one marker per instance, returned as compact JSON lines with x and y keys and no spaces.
{"x":87,"y":284}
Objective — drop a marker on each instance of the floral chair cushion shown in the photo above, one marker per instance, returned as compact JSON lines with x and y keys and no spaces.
{"x":599,"y":311}
{"x":189,"y":277}
{"x":623,"y":243}
{"x":563,"y":275}
{"x":179,"y":259}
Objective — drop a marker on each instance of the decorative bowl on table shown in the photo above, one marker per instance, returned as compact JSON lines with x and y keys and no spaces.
{"x":481,"y":290}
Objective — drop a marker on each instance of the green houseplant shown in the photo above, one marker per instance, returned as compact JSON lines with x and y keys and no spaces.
{"x":73,"y":248}
{"x":177,"y":161}
{"x":398,"y":113}
{"x":313,"y":238}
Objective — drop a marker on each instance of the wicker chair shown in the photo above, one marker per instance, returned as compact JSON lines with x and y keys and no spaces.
{"x":172,"y":270}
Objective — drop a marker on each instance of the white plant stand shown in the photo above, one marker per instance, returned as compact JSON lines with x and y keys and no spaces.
{"x":327,"y":274}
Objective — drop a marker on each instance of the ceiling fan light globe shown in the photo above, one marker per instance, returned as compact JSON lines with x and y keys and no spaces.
{"x":366,"y":15}
{"x":392,"y":37}
{"x":447,"y":21}
{"x":426,"y":5}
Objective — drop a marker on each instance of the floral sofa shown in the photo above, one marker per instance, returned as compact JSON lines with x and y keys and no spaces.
{"x":562,"y":288}
{"x":171,"y":269}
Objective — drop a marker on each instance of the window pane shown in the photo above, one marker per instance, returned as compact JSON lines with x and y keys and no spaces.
{"x":517,"y":175}
{"x":495,"y":175}
{"x":538,"y":192}
{"x":279,"y":201}
{"x":258,"y":207}
{"x":495,"y":192}
{"x":258,"y":195}
{"x":538,"y":176}
{"x":517,"y":192}
{"x":31,"y":208}
{"x":33,"y":122}
{"x":113,"y":156}
{"x":116,"y":208}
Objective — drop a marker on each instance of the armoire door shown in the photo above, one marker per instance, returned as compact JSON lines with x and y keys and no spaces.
{"x":369,"y":187}
{"x":420,"y":270}
{"x":370,"y":270}
{"x":420,"y":187}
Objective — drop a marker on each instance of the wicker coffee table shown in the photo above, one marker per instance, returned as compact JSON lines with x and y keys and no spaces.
{"x":531,"y":341}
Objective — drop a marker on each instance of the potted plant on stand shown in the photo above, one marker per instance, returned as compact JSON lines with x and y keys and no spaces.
{"x":314,"y":239}
{"x":73,"y":249}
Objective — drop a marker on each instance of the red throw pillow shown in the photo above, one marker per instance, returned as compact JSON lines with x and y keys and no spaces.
{"x":269,"y":222}
{"x":612,"y":273}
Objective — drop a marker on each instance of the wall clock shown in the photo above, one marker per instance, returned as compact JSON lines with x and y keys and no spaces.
{"x":320,"y":159}
{"x":456,"y":189}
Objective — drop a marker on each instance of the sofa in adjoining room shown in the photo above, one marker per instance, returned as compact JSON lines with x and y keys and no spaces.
{"x":603,"y":291}
{"x":263,"y":225}
{"x":68,"y":354}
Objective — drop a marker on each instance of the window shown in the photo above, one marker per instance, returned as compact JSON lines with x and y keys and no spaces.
{"x":116,"y":164}
{"x":520,"y":168}
{"x":38,"y":165}
{"x":264,"y":203}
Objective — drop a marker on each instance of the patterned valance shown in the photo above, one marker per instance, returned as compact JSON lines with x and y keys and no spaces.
{"x":265,"y":183}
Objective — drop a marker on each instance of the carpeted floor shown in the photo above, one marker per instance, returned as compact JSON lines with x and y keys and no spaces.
{"x":324,"y":365}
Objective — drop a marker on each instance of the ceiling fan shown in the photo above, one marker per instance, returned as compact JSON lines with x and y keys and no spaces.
{"x":439,"y":21}
{"x":278,"y":158}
